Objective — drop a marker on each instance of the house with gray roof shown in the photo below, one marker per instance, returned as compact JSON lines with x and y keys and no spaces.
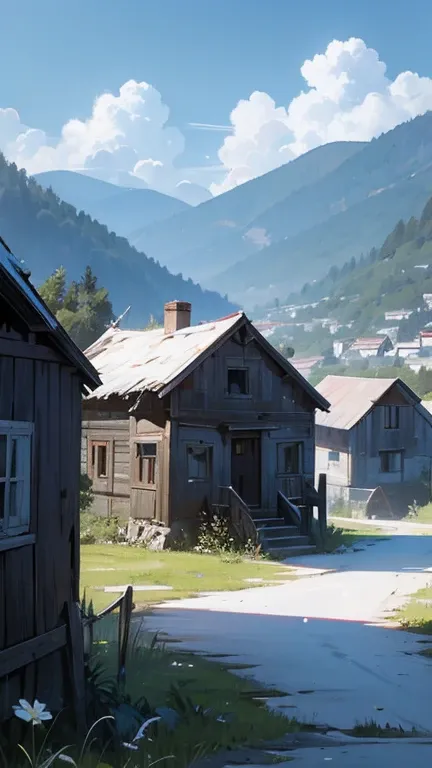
{"x":188,"y":415}
{"x":377,"y":434}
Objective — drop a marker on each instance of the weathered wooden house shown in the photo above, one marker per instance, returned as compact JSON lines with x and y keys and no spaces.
{"x":185,"y":413}
{"x":42,"y":375}
{"x":377,"y":434}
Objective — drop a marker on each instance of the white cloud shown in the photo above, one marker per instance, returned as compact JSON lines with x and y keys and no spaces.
{"x":349,"y":98}
{"x":128,"y":139}
{"x":125,"y":133}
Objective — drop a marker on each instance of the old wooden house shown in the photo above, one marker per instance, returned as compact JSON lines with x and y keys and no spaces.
{"x":377,"y":434}
{"x":42,"y":376}
{"x":192,"y":413}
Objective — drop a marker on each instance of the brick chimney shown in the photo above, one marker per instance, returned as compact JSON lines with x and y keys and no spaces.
{"x":177,"y":315}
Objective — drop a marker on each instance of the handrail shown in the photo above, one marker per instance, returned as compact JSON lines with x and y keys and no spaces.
{"x":241,"y":520}
{"x":287,"y":510}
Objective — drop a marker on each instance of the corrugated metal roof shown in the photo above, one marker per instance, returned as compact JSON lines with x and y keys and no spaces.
{"x":370,"y":343}
{"x":133,"y":361}
{"x":350,"y":398}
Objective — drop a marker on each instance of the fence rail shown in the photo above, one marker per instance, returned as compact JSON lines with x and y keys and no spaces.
{"x":344,"y":499}
{"x":124,"y":606}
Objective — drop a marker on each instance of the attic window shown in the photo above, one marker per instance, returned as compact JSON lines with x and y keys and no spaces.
{"x":391,"y":417}
{"x":238,"y":381}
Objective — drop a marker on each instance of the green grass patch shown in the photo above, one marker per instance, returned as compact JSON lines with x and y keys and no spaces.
{"x":189,"y":573}
{"x":348,"y":534}
{"x":371,"y":729}
{"x":165,"y":677}
{"x":416,"y":615}
{"x":424,"y":515}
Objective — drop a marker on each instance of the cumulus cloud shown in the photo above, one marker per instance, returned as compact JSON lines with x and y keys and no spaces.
{"x":348,"y":98}
{"x":125,"y":133}
{"x":128,"y":139}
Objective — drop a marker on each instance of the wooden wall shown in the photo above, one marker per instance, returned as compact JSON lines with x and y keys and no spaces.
{"x":111,"y":498}
{"x":39,"y":571}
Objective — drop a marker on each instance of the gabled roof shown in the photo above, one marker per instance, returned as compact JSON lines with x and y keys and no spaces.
{"x":132,"y":362}
{"x":352,"y":397}
{"x":17,"y":290}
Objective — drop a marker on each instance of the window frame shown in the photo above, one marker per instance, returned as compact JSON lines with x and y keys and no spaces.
{"x":391,"y":411}
{"x":14,"y":430}
{"x":240,"y":395}
{"x":206,"y":448}
{"x":281,"y":455}
{"x":136,"y":464}
{"x":387,"y":454}
{"x":331,"y":458}
{"x":95,"y":443}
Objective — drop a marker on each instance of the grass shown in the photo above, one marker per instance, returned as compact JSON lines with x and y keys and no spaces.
{"x":348,"y":534}
{"x":416,"y":616}
{"x":371,"y":729}
{"x":165,"y":677}
{"x":189,"y":573}
{"x":424,"y":515}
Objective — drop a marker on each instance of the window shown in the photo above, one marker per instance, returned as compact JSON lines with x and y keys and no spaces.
{"x":391,"y":417}
{"x":15,"y":472}
{"x":391,"y":461}
{"x":290,"y":458}
{"x":145,"y":463}
{"x":98,"y":464}
{"x":199,"y":462}
{"x":334,"y":456}
{"x":238,"y":381}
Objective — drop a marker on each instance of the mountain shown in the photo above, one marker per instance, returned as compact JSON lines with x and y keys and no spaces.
{"x":121,"y":209}
{"x":347,"y":211}
{"x":392,"y":278}
{"x":273,"y":233}
{"x":204,"y":240}
{"x":48,"y":233}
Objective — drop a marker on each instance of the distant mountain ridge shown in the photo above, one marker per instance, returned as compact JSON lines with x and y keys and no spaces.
{"x":121,"y":209}
{"x":47,"y":233}
{"x":214,"y":235}
{"x":268,"y":236}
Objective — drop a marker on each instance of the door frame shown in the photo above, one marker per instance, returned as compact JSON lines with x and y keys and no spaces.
{"x":248,"y":434}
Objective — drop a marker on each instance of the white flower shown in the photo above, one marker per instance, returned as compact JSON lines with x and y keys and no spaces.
{"x":31,"y":714}
{"x":129,"y":746}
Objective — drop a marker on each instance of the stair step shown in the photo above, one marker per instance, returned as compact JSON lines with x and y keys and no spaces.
{"x":261,"y":522}
{"x":285,"y":552}
{"x":277,"y":531}
{"x":286,"y":542}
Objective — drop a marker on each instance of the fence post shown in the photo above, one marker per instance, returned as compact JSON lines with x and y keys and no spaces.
{"x":124,"y":626}
{"x":322,"y":504}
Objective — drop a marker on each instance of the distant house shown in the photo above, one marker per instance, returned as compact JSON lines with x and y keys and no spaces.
{"x":305,"y":365}
{"x":376,"y":434}
{"x":406,"y":348}
{"x":42,"y":376}
{"x":186,"y":413}
{"x":376,"y":346}
{"x":341,"y":345}
{"x":398,"y":314}
{"x":426,"y":339}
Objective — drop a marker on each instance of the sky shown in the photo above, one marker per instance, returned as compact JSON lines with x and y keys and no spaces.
{"x":213,"y":92}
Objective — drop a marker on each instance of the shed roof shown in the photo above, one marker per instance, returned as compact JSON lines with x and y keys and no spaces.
{"x":351,"y":397}
{"x":18,"y":291}
{"x":131,"y":362}
{"x":369,"y":343}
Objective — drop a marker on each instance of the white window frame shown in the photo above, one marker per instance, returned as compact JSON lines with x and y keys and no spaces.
{"x":22,"y":432}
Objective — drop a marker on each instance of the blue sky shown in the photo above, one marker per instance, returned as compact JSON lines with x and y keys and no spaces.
{"x":201,"y":55}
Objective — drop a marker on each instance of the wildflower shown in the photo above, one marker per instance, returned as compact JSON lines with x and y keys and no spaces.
{"x":32,"y":714}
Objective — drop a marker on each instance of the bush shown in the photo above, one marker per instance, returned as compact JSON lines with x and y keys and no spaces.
{"x":100,"y":530}
{"x":215,"y":538}
{"x":86,"y":493}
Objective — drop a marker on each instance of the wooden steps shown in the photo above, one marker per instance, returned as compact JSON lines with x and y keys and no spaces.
{"x":281,"y":541}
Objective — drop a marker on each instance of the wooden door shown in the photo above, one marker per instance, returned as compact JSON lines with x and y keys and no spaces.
{"x":246,"y":469}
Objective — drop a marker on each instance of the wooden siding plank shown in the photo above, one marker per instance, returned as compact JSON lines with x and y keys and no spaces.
{"x":14,"y":349}
{"x":24,"y":390}
{"x":6,"y":388}
{"x":31,"y":650}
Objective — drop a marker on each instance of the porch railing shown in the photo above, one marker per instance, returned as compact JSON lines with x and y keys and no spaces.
{"x":240,"y":520}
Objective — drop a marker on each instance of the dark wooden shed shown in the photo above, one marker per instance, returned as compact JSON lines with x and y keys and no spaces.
{"x":42,"y":377}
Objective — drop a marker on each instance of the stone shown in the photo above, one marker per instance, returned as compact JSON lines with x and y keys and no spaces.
{"x":150,"y":533}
